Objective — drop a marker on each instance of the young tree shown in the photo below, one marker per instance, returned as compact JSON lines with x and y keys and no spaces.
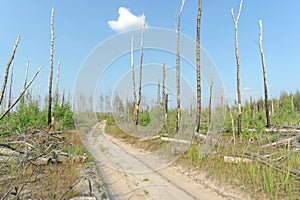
{"x":198,"y":113}
{"x":235,"y":22}
{"x":51,"y":68}
{"x":264,"y":73}
{"x":178,"y":68}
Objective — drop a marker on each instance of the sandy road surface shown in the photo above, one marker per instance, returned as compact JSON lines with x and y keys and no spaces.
{"x":128,"y":173}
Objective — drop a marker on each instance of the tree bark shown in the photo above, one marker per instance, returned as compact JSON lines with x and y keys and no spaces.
{"x":7,"y":69}
{"x":264,"y":74}
{"x":51,"y":69}
{"x":57,"y":80}
{"x":178,"y":69}
{"x":235,"y":21}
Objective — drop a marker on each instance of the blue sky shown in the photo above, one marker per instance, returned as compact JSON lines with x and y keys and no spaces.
{"x":81,"y":25}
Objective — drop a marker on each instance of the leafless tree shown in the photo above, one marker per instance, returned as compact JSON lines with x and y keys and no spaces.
{"x":51,"y":68}
{"x":210,"y":98}
{"x":10,"y":85}
{"x":264,"y":73}
{"x":198,"y":113}
{"x":25,"y":80}
{"x":235,"y":22}
{"x":178,"y":67}
{"x":135,"y":109}
{"x":57,"y":80}
{"x":7,"y":69}
{"x":158,"y":92}
{"x":164,"y":90}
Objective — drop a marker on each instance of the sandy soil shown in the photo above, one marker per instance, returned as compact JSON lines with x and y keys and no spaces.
{"x":128,"y":172}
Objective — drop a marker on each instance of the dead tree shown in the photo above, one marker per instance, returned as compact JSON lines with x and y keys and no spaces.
{"x":101,"y":103}
{"x":210,"y":98}
{"x":141,"y":71}
{"x":10,"y":86}
{"x":137,"y":102}
{"x":264,"y":73}
{"x":57,"y":80}
{"x":51,"y":68}
{"x":235,"y":22}
{"x":135,"y":117}
{"x":198,"y":109}
{"x":164,"y":91}
{"x":25,"y":80}
{"x":7,"y":69}
{"x":178,"y":68}
{"x":158,"y":92}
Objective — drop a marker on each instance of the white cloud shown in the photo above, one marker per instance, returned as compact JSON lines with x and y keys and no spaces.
{"x":246,"y":89}
{"x":126,"y":21}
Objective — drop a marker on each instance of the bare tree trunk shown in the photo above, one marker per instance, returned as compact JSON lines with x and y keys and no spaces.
{"x":10,"y":86}
{"x":135,"y":108}
{"x":51,"y":69}
{"x":235,"y":21}
{"x":63,"y":98}
{"x":141,"y":72}
{"x":210,"y":100}
{"x":164,"y":90}
{"x":198,"y":108}
{"x":101,"y":103}
{"x":57,"y":80}
{"x":7,"y":69}
{"x":178,"y":68}
{"x":158,"y":92}
{"x":25,"y":80}
{"x":264,"y":74}
{"x":251,"y":108}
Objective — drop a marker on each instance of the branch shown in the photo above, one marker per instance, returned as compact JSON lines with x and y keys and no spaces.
{"x":22,"y":93}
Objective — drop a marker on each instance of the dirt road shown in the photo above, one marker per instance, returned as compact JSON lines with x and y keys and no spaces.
{"x":128,"y":173}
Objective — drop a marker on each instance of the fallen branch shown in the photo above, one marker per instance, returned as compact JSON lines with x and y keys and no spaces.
{"x":155,"y":137}
{"x":175,"y":140}
{"x":280,"y":142}
{"x":234,"y":159}
{"x":8,"y":152}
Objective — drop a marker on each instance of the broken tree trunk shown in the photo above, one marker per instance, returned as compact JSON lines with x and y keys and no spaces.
{"x":264,"y":74}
